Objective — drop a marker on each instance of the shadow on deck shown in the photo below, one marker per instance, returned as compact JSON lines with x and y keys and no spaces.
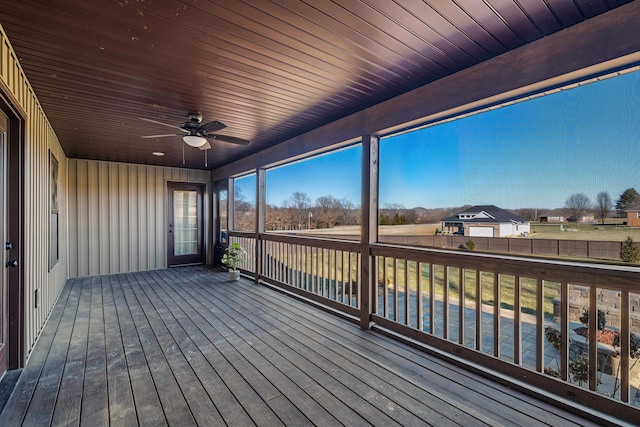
{"x":183,"y":346}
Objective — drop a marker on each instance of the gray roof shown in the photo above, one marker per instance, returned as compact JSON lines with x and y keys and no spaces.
{"x":488,"y":214}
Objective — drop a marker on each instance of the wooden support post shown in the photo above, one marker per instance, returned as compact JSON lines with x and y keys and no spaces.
{"x":369,"y":227}
{"x":261,"y":213}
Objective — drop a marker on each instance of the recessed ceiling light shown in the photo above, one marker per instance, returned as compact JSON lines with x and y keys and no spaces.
{"x":158,"y":153}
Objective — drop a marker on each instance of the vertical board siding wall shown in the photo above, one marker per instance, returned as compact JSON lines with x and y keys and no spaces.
{"x":39,"y":141}
{"x":118,"y":215}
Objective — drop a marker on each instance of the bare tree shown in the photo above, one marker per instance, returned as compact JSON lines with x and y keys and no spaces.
{"x":604,"y":206}
{"x":244,"y":212}
{"x":578,"y":204}
{"x":299,"y":205}
{"x":300,"y":200}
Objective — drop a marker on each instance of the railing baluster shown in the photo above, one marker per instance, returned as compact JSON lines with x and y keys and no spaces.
{"x":432,"y":299}
{"x":517,"y":327}
{"x":445,"y":305}
{"x":540,"y":309}
{"x":479,"y":310}
{"x":419,"y":308}
{"x":496,"y":314}
{"x":593,"y":338}
{"x":316,"y":277}
{"x":385,"y":289}
{"x":333,"y":273}
{"x":461,"y":303}
{"x":564,"y":330}
{"x":625,"y":346}
{"x":406,"y":293}
{"x":350,"y":277}
{"x":342,"y":278}
{"x":395,"y":289}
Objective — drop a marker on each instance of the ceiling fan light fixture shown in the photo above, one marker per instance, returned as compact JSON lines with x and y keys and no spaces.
{"x":194,"y":140}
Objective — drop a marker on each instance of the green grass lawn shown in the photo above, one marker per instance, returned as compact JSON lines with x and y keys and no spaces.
{"x":573,"y":231}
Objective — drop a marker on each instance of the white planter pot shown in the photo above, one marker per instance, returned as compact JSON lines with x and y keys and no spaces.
{"x":234,"y":276}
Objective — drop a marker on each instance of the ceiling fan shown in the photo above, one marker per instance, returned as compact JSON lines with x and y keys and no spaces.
{"x":197,"y":134}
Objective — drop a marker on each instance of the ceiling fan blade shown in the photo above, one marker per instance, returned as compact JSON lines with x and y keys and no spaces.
{"x":231,"y":139}
{"x":160,"y":123}
{"x":205,"y":146}
{"x":161,"y":136}
{"x":212,"y":126}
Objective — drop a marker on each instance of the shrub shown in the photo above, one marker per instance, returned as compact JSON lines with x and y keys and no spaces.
{"x":471,"y":245}
{"x":629,"y":252}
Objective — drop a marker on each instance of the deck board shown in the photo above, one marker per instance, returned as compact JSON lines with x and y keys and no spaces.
{"x":183,"y":347}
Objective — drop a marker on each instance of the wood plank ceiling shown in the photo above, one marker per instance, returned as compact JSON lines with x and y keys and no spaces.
{"x":269,"y":70}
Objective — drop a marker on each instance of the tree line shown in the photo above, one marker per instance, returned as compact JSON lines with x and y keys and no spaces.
{"x":299,"y":212}
{"x":579,"y":204}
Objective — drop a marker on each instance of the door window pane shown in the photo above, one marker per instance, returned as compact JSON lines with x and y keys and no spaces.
{"x":185,"y":211}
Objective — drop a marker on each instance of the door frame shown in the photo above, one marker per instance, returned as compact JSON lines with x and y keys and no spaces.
{"x":4,"y":294}
{"x":200,"y":257}
{"x":14,"y":211}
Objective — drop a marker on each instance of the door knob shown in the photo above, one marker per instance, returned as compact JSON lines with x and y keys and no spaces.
{"x":13,"y":263}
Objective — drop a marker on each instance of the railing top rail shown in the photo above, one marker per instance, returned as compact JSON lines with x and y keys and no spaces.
{"x":319,"y":242}
{"x":247,"y":234}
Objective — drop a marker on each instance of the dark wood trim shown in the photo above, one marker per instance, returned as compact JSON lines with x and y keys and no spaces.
{"x":15,"y":231}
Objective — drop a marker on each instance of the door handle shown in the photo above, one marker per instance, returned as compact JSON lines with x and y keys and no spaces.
{"x":8,"y":245}
{"x":12,"y":263}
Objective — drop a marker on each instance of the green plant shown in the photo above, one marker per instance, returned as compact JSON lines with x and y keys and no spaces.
{"x":629,"y":252}
{"x":471,"y":245}
{"x":233,"y":256}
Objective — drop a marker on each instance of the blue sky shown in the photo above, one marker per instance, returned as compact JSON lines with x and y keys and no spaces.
{"x":532,"y":154}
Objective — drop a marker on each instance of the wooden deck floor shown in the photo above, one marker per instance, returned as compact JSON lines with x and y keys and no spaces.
{"x":184,"y":347}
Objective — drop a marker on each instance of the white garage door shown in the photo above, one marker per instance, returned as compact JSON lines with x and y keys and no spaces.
{"x":481,"y":231}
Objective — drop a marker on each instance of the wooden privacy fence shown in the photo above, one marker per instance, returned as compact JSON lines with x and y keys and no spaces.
{"x":517,"y":245}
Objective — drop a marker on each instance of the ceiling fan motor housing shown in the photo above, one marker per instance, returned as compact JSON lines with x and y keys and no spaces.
{"x":193,"y":123}
{"x":195,"y":117}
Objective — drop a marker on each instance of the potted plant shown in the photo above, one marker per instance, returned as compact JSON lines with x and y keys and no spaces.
{"x":232,"y":257}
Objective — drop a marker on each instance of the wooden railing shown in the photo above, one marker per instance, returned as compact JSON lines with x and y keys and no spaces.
{"x":526,"y":318}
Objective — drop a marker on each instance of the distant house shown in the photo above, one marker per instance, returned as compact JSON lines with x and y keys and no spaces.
{"x":633,"y":218}
{"x":486,"y":221}
{"x":552,"y":218}
{"x":583,"y":218}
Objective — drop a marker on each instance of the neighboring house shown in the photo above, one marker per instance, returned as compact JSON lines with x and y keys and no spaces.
{"x":552,"y":219}
{"x":583,"y":218}
{"x":486,"y":221}
{"x":633,"y":218}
